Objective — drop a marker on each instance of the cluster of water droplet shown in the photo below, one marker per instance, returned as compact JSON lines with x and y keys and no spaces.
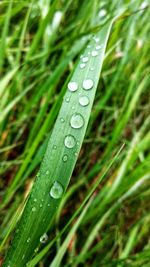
{"x":76,"y":120}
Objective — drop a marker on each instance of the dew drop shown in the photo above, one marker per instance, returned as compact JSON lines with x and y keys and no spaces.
{"x":96,"y":39}
{"x":91,"y":68}
{"x":62,"y":120}
{"x":54,"y":147}
{"x":33,"y":209}
{"x":69,"y":141}
{"x":89,"y":53}
{"x":44,"y":238}
{"x":72,"y":86}
{"x":47,"y":172}
{"x":85,"y":59}
{"x":65,"y":158}
{"x":73,"y":107}
{"x":67,"y":99}
{"x":35,"y":200}
{"x":94,"y":53}
{"x":48,"y":204}
{"x":28,"y":240}
{"x":77,"y":121}
{"x":41,"y":205}
{"x":98,"y":47}
{"x":56,"y":190}
{"x":89,"y":46}
{"x":87,"y":84}
{"x":82,"y":65}
{"x":84,"y":100}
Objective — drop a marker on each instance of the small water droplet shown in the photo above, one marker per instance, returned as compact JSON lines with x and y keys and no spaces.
{"x":73,"y":107}
{"x":87,"y":84}
{"x":35,"y":200}
{"x":67,"y":99}
{"x":85,"y":59}
{"x":44,"y":238}
{"x":72,"y":86}
{"x":65,"y":158}
{"x":98,"y":47}
{"x":56,"y":190}
{"x":82,"y":65}
{"x":47,"y":172}
{"x":54,"y":147}
{"x":89,"y":46}
{"x":89,"y":53}
{"x":33,"y":209}
{"x":96,"y":39}
{"x":62,"y":120}
{"x":84,"y":100}
{"x":91,"y":68}
{"x":48,"y":204}
{"x":94,"y":53}
{"x":28,"y":240}
{"x":77,"y":121}
{"x":41,"y":205}
{"x":69,"y":141}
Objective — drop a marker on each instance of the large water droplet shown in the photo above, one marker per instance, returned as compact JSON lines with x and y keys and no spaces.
{"x":72,"y":86}
{"x":77,"y":121}
{"x":94,"y":53}
{"x":87,"y":84}
{"x":65,"y":158}
{"x":82,"y":65}
{"x":84,"y":100}
{"x":43,"y":238}
{"x":85,"y":59}
{"x":56,"y":190}
{"x":69,"y":141}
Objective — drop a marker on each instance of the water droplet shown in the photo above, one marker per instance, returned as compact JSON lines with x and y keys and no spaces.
{"x":54,"y":147}
{"x":44,"y":238}
{"x":48,"y":204}
{"x":94,"y":53}
{"x":73,"y":107}
{"x":91,"y":68}
{"x":47,"y":172}
{"x":85,"y":59}
{"x":38,"y":174}
{"x":69,"y":141}
{"x":87,"y":84}
{"x":77,"y":121}
{"x":89,"y":46}
{"x":72,"y":86}
{"x":33,"y":209}
{"x":62,"y":120}
{"x":96,"y":39}
{"x":89,"y":53}
{"x":56,"y":190}
{"x":81,"y":56}
{"x":65,"y":158}
{"x":98,"y":47}
{"x":67,"y":99}
{"x":84,"y":100}
{"x":35,"y":200}
{"x":82,"y":65}
{"x":41,"y":205}
{"x":28,"y":240}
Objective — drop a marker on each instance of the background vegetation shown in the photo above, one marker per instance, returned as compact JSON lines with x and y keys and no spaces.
{"x":40,"y":44}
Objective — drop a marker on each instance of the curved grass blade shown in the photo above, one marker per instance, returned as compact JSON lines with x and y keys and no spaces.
{"x":61,"y":154}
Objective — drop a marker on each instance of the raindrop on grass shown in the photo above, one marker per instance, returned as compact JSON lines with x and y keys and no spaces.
{"x":54,"y":147}
{"x":65,"y":158}
{"x":94,"y":53}
{"x":47,"y":172}
{"x":72,"y":86}
{"x":85,"y":59}
{"x":77,"y":121}
{"x":33,"y":209}
{"x":84,"y":100}
{"x":98,"y":47}
{"x":62,"y":120}
{"x":82,"y":65}
{"x":87,"y":84}
{"x":44,"y":238}
{"x":91,"y":68}
{"x":67,"y":99}
{"x":69,"y":141}
{"x":56,"y":190}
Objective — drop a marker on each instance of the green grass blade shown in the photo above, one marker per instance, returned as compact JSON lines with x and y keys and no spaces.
{"x":61,"y":154}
